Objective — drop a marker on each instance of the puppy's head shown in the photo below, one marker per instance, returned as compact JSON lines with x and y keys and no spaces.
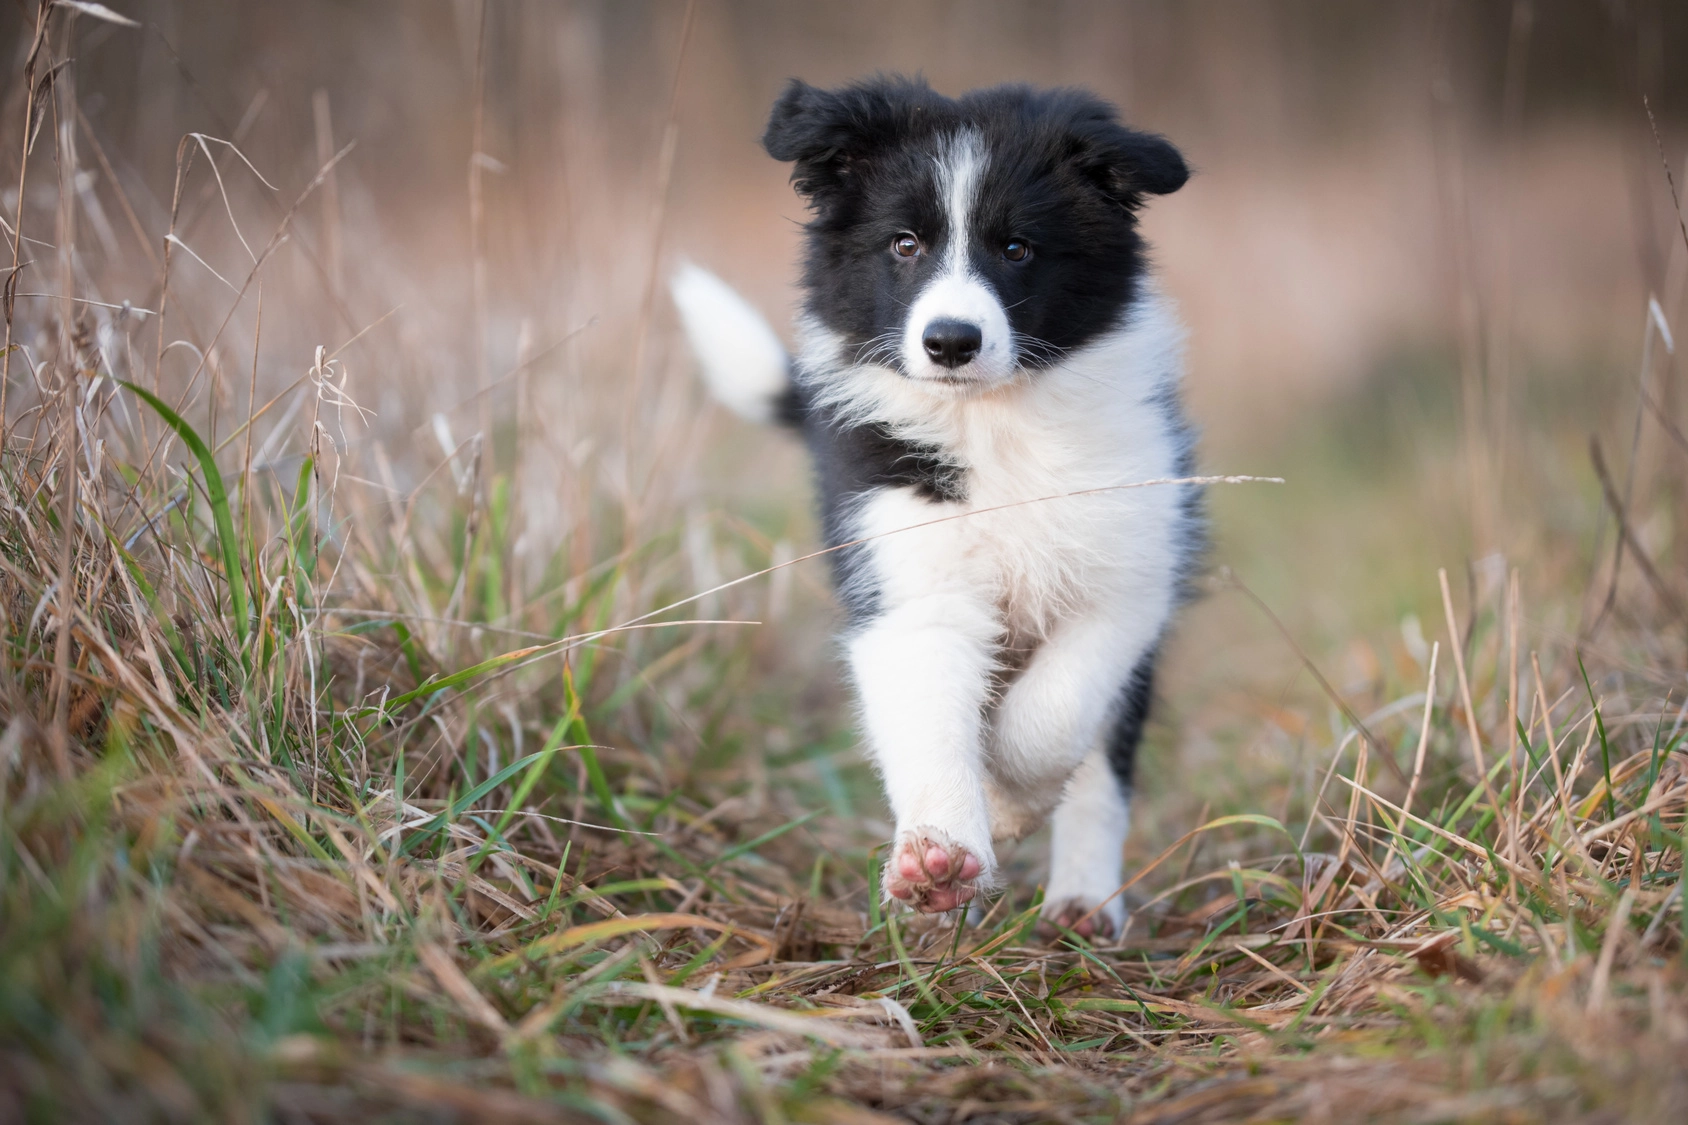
{"x":960,"y":241}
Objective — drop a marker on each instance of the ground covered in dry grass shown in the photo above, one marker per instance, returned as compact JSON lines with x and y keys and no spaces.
{"x":320,"y":806}
{"x":215,"y":906}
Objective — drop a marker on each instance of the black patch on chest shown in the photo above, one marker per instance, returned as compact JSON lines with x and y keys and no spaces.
{"x":853,"y":460}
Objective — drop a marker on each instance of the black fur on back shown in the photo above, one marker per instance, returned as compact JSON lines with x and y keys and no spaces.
{"x":1130,"y":719}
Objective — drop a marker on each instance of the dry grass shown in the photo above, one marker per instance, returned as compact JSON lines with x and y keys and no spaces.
{"x":321,"y":807}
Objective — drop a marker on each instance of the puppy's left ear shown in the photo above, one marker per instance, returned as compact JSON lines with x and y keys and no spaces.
{"x":1125,"y":164}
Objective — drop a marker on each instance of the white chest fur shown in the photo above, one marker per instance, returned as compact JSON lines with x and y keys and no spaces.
{"x":1044,"y":531}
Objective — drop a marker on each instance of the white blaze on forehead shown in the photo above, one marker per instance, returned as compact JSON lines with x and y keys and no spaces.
{"x":956,"y":292}
{"x":958,"y":179}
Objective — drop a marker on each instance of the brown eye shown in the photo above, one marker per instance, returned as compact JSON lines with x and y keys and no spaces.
{"x":1016,"y":251}
{"x":905,"y":246}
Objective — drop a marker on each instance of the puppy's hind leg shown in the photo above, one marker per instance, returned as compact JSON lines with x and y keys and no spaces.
{"x":1087,"y":839}
{"x":1093,"y":819}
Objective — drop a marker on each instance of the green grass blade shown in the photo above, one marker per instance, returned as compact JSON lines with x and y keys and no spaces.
{"x":461,"y":676}
{"x":455,"y":808}
{"x":751,"y":845}
{"x":219,"y":504}
{"x":1605,"y":747}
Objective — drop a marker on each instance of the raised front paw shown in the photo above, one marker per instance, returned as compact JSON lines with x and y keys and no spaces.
{"x":1081,"y":915}
{"x":931,"y":872}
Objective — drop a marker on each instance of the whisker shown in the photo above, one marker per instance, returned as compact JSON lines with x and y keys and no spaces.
{"x":879,"y":348}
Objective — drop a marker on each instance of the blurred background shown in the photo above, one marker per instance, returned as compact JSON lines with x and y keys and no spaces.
{"x":1416,"y":262}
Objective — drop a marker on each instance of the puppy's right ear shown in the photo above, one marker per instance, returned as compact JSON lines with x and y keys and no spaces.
{"x":827,"y":133}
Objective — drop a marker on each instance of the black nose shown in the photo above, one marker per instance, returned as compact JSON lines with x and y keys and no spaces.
{"x":952,"y":343}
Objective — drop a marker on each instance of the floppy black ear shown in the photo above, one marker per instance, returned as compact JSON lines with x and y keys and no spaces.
{"x":826,"y":132}
{"x":1126,"y":164}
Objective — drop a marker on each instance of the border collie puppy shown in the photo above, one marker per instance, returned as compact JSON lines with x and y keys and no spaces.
{"x":983,"y":357}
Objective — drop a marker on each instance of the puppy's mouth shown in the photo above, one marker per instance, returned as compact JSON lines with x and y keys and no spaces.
{"x":958,"y":379}
{"x":974,"y":376}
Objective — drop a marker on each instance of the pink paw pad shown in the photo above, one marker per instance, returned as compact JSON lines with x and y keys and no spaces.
{"x":1079,"y":917}
{"x":931,"y":873}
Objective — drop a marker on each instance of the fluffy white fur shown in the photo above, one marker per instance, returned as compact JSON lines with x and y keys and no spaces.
{"x":1087,"y":839}
{"x":743,"y":362}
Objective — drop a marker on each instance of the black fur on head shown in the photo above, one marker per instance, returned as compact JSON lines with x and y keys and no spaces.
{"x":1058,"y":172}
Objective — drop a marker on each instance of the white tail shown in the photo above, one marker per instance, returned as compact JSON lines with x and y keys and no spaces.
{"x":743,"y":362}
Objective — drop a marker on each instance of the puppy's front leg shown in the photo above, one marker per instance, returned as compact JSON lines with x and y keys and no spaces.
{"x":1067,"y":730}
{"x":923,"y":670}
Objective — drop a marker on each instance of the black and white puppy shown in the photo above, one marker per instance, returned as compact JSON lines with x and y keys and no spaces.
{"x":981,"y":339}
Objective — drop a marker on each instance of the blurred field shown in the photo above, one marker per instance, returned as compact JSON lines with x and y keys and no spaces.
{"x":391,"y":730}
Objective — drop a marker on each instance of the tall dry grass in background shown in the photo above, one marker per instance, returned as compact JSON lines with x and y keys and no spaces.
{"x":385,"y":732}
